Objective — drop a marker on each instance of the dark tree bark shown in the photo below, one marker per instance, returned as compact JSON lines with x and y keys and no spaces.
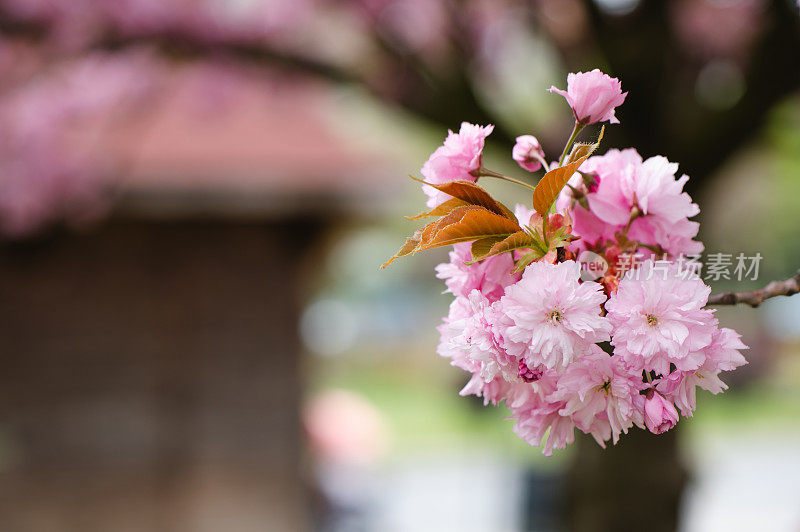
{"x":634,"y":485}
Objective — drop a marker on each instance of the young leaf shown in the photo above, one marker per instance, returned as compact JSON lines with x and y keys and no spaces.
{"x":553,"y":181}
{"x":527,"y":259}
{"x":585,"y":149}
{"x":427,"y":233}
{"x":580,"y":149}
{"x":462,"y":224}
{"x":410,"y":245}
{"x":480,"y":248}
{"x":472,"y":194}
{"x":474,"y":224}
{"x":441,"y":210}
{"x":518,"y":240}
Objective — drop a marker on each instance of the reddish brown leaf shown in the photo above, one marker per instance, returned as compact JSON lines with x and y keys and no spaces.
{"x":474,"y":224}
{"x":410,"y":245}
{"x":423,"y":236}
{"x":471,"y":193}
{"x":514,"y":241}
{"x":553,"y":181}
{"x":462,"y":224}
{"x":580,"y":149}
{"x":441,"y":210}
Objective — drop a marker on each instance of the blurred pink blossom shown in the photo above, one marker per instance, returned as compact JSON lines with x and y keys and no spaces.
{"x":74,"y":22}
{"x":344,"y":427}
{"x":712,"y":28}
{"x":47,"y":175}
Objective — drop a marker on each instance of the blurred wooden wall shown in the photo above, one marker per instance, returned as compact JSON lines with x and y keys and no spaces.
{"x":150,"y":378}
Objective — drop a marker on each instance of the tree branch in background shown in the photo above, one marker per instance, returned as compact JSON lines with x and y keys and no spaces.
{"x":754,"y":298}
{"x":662,"y":114}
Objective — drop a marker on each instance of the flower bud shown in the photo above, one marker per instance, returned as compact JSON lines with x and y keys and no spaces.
{"x":528,"y":153}
{"x":610,"y":284}
{"x":527,"y":374}
{"x":591,"y":180}
{"x":593,"y":96}
{"x":659,"y":413}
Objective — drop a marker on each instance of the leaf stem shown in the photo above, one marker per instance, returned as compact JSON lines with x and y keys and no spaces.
{"x":544,"y":230}
{"x":544,"y":164}
{"x":483,"y":172}
{"x":575,"y":130}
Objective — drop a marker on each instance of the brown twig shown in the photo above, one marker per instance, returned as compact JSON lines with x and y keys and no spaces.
{"x":754,"y":298}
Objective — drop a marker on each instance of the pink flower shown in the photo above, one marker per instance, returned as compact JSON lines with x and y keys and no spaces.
{"x":458,"y":158}
{"x":659,"y":194}
{"x":614,"y":199}
{"x":477,"y":338}
{"x":523,"y":214}
{"x":528,"y":153}
{"x":551,"y":318}
{"x":649,"y":191}
{"x":665,"y":208}
{"x":659,"y":413}
{"x":593,"y":96}
{"x":527,"y":374}
{"x":721,"y":355}
{"x":490,"y":276}
{"x":450,"y":330}
{"x":658,"y":318}
{"x":538,"y":419}
{"x":494,"y":392}
{"x":466,"y":339}
{"x":601,"y":395}
{"x":573,"y":200}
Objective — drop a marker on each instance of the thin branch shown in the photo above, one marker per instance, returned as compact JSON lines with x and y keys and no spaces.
{"x":754,"y":298}
{"x":576,"y":129}
{"x":483,"y":172}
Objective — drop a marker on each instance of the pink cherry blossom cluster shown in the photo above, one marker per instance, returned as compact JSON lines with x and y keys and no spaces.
{"x":75,"y":23}
{"x":567,"y":351}
{"x":49,"y":131}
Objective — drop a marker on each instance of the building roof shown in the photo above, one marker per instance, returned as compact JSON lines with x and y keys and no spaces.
{"x":248,"y":144}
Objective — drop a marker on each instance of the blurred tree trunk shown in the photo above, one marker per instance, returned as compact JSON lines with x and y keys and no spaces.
{"x":639,"y":480}
{"x":634,"y":485}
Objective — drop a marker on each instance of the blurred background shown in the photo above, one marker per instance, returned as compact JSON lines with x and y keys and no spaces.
{"x":194,"y":199}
